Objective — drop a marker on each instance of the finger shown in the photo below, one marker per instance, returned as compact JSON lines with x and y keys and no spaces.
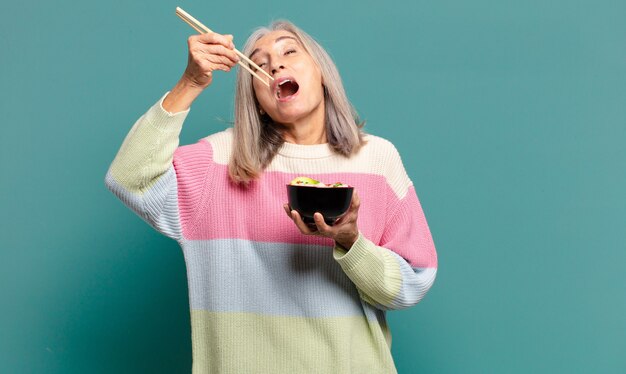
{"x":232,"y":44}
{"x":322,"y":227}
{"x":220,"y":50}
{"x":217,"y":53}
{"x":215,"y":38}
{"x":341,"y":220}
{"x":300,"y":223}
{"x":225,"y":68}
{"x":216,"y":49}
{"x":355,"y":203}
{"x":349,"y":217}
{"x":220,"y":60}
{"x":219,"y":66}
{"x":287,"y":211}
{"x":208,"y":66}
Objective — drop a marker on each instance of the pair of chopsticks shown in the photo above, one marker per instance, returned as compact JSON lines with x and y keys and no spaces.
{"x":199,"y":27}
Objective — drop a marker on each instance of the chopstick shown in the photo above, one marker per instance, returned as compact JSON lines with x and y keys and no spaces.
{"x":199,"y":27}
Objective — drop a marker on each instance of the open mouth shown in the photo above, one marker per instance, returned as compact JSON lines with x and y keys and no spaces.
{"x":286,"y":88}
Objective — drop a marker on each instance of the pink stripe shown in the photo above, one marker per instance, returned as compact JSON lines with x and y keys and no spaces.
{"x":407,"y":233}
{"x":222,"y":210}
{"x":193,"y":164}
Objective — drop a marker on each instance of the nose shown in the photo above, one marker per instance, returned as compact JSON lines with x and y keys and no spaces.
{"x":276,"y":67}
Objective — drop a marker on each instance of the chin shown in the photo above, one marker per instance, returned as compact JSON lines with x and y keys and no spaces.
{"x":291,"y":115}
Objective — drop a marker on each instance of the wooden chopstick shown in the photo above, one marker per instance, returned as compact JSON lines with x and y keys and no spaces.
{"x":199,"y":27}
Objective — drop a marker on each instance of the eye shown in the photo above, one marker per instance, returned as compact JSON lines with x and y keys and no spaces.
{"x":290,"y":51}
{"x":261,"y":65}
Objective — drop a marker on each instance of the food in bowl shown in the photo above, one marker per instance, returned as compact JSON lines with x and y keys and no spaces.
{"x":307,"y":196}
{"x":306,"y":181}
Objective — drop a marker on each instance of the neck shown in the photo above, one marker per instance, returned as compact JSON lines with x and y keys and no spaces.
{"x":305,"y":135}
{"x":308,"y":130}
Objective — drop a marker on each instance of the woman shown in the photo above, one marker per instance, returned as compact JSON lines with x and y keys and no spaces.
{"x":267,"y":293}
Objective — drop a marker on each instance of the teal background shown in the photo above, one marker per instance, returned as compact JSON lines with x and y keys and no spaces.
{"x":510,"y":117}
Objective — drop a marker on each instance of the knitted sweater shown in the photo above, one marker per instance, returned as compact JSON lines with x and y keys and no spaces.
{"x":265,"y":298}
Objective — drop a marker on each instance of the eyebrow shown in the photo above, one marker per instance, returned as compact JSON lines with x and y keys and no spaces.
{"x":275,"y":41}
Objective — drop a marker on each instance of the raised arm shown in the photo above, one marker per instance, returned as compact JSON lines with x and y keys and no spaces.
{"x":142,"y":174}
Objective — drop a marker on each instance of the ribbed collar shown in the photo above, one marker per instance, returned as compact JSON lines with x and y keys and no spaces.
{"x":305,"y":151}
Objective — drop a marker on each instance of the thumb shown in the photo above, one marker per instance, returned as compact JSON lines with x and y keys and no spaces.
{"x":322,"y":227}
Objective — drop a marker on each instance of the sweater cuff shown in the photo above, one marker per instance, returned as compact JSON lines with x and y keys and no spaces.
{"x":349,"y":259}
{"x":165,"y":121}
{"x":373,"y":269}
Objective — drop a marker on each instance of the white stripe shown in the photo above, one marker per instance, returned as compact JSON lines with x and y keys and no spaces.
{"x":378,"y":156}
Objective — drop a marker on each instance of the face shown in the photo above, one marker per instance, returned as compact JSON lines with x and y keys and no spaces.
{"x":296,"y":94}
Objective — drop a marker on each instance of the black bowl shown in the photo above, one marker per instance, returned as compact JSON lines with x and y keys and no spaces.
{"x":332,"y":202}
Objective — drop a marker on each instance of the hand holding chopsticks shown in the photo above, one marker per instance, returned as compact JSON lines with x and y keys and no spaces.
{"x":196,"y":25}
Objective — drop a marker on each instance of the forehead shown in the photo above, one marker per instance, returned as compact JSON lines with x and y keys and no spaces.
{"x":269,"y":39}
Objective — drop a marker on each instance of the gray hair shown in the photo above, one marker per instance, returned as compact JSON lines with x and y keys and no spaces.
{"x":257,"y":138}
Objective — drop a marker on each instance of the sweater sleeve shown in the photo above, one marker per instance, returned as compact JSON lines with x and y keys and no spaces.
{"x":142,"y":175}
{"x":398,"y":272}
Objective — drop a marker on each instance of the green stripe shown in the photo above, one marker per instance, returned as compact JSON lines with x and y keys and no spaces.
{"x":252,"y":343}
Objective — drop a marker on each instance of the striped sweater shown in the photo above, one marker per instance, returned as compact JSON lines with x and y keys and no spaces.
{"x":265,"y":298}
